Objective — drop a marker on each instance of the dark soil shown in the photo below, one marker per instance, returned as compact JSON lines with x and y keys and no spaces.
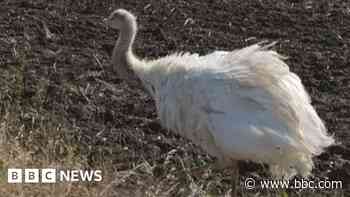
{"x":69,"y":66}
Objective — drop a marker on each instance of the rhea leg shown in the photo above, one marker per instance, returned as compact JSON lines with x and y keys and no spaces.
{"x":235,"y":178}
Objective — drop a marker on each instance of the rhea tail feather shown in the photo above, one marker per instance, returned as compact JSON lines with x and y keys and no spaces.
{"x":313,"y":138}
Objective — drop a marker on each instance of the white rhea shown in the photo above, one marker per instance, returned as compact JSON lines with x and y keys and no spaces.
{"x":240,"y":105}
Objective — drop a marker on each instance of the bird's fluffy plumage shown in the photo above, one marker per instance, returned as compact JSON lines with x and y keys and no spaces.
{"x":243,"y":105}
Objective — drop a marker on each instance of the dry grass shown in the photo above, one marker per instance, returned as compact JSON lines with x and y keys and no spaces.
{"x":31,"y":137}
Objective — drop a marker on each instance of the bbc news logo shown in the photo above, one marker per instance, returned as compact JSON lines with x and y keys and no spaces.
{"x":16,"y":175}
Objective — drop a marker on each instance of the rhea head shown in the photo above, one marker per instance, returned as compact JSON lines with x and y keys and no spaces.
{"x":121,"y":19}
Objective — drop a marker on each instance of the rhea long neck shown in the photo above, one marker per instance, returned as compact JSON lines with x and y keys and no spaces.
{"x":123,"y":58}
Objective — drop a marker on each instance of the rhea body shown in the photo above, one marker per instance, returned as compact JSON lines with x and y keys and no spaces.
{"x":240,"y":105}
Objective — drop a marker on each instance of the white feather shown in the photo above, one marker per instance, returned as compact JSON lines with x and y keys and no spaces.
{"x":243,"y":105}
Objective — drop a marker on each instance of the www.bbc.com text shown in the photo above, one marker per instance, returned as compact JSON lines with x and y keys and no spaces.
{"x":251,"y":184}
